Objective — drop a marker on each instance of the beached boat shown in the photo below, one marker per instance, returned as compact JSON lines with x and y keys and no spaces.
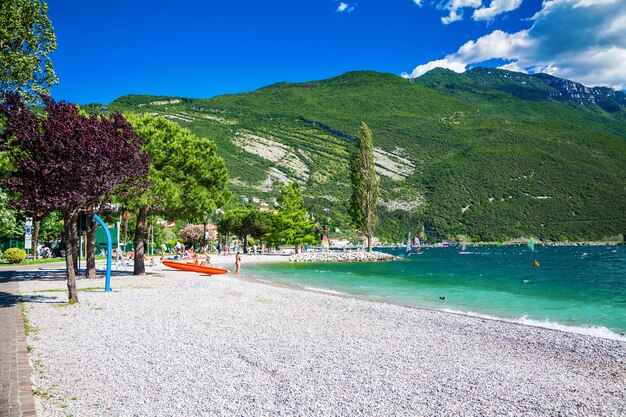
{"x":193,"y":267}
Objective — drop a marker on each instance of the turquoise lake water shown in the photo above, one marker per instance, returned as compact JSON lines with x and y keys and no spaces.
{"x":575,"y":288}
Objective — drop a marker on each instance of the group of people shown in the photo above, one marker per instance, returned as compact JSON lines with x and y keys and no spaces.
{"x":43,"y":251}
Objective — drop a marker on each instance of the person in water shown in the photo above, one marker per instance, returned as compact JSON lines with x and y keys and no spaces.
{"x":237,"y":263}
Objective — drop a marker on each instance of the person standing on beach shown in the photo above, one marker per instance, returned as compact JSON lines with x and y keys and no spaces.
{"x":237,"y":263}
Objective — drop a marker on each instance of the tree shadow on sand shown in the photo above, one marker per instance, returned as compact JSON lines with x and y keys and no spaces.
{"x":8,"y":299}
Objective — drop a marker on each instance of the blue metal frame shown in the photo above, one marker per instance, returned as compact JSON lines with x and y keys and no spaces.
{"x":107,"y":282}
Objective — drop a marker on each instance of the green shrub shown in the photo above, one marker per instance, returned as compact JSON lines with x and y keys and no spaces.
{"x":15,"y":255}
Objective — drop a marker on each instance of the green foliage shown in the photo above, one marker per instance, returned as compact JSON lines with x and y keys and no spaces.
{"x":26,"y":40}
{"x":292,"y":224}
{"x":364,"y":184}
{"x":15,"y":255}
{"x":51,"y":227}
{"x":188,"y":179}
{"x":8,"y":222}
{"x":520,"y":161}
{"x":243,"y":222}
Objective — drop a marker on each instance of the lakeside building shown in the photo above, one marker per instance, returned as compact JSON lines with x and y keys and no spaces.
{"x":339,"y":243}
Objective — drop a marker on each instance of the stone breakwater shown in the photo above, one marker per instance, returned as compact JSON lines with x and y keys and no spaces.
{"x":354,"y":256}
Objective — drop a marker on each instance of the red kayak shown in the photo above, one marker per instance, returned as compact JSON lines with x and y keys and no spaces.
{"x":193,"y":267}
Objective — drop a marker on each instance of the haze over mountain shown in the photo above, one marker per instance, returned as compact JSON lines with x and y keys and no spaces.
{"x":487,"y":154}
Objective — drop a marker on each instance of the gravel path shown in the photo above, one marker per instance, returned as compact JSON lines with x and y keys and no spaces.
{"x":181,"y":344}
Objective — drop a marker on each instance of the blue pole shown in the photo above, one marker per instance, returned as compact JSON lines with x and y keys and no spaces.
{"x":107,"y":282}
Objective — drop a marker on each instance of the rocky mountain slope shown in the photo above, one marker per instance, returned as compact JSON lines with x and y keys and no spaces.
{"x":488,"y":154}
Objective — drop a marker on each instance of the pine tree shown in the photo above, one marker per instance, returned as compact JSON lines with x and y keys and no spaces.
{"x":364,"y":185}
{"x":188,"y":179}
{"x":292,"y":224}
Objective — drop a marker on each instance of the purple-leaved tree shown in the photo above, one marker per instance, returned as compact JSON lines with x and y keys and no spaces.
{"x":68,"y":161}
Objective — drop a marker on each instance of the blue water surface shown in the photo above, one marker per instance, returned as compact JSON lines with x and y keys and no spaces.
{"x":574,"y":286}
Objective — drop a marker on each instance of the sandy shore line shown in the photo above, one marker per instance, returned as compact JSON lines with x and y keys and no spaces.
{"x":177,"y":343}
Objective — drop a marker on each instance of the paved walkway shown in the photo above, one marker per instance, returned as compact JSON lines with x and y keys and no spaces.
{"x":16,"y":397}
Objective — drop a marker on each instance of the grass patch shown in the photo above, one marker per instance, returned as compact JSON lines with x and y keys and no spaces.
{"x":33,"y":261}
{"x":38,"y":365}
{"x":28,"y":329}
{"x":41,"y":394}
{"x":79,"y":289}
{"x":43,"y":261}
{"x":91,"y":289}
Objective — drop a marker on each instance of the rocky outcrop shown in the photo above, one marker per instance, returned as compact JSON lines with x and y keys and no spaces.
{"x":335,"y":256}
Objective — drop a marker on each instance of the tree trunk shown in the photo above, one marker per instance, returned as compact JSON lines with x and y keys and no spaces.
{"x":70,"y":228}
{"x":368,"y":207}
{"x":204,"y":240}
{"x":37,"y":224}
{"x":139,"y":264}
{"x":125,"y":233}
{"x":90,"y":230}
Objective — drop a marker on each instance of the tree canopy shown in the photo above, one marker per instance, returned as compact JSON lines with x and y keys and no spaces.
{"x":244,"y":222}
{"x":292,"y":224}
{"x":67,"y":161}
{"x":26,"y":39}
{"x":187,"y":178}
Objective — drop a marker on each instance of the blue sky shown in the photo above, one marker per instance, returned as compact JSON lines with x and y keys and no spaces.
{"x":199,"y":48}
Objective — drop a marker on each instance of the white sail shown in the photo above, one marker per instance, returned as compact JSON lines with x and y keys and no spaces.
{"x":408,"y":243}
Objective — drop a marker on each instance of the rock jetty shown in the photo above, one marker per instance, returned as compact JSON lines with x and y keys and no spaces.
{"x":335,"y":256}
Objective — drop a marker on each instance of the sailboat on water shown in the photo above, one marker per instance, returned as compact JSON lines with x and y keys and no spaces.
{"x":414,"y":247}
{"x":531,"y":244}
{"x":463,"y":249}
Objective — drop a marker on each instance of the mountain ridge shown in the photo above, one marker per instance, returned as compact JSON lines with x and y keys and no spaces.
{"x":484,"y":155}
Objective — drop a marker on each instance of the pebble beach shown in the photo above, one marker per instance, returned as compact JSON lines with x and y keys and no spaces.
{"x":182,"y":344}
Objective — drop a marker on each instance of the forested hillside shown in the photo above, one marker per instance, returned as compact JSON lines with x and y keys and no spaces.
{"x":484,"y":155}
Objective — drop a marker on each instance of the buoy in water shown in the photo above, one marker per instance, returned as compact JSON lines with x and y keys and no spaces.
{"x":535,"y":263}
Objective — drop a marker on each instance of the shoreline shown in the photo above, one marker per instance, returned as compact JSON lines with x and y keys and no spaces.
{"x":298,"y":351}
{"x":593,"y":331}
{"x":228,"y":262}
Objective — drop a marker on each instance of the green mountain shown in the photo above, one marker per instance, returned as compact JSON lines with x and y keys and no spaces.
{"x":484,"y":155}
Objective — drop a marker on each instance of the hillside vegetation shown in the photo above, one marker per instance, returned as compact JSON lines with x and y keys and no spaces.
{"x":485,"y":155}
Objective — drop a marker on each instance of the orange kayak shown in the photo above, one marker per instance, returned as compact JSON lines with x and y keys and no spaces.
{"x":191,"y":267}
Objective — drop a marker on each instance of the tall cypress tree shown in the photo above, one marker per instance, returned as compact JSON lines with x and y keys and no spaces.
{"x":364,"y":185}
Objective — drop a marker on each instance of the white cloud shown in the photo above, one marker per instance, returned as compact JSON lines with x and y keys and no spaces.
{"x":513,"y":66}
{"x":582,"y":40}
{"x":454,"y":6}
{"x":481,"y":12}
{"x":418,"y":2}
{"x":344,"y":7}
{"x":448,"y":62}
{"x":495,"y":8}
